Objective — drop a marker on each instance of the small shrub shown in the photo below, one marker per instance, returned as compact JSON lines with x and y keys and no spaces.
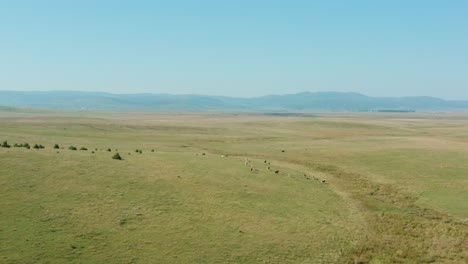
{"x":56,"y":146}
{"x":72,"y":148}
{"x":83,"y":148}
{"x":152,"y":150}
{"x":36,"y":146}
{"x":117,"y":156}
{"x":5,"y":144}
{"x":136,"y":150}
{"x":40,"y":146}
{"x":109,"y":150}
{"x":26,"y":145}
{"x":140,"y":151}
{"x":92,"y":152}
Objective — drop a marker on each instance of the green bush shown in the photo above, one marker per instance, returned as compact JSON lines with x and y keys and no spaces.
{"x":26,"y":145}
{"x":72,"y":148}
{"x":117,"y":156}
{"x":56,"y":146}
{"x":109,"y":149}
{"x":5,"y":144}
{"x":36,"y":146}
{"x":83,"y":148}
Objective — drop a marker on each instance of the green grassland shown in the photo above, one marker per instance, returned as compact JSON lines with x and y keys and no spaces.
{"x":354,"y":188}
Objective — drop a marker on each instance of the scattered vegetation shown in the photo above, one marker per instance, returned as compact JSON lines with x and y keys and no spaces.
{"x":83,"y":148}
{"x":21,"y":145}
{"x":38,"y":146}
{"x":72,"y":148}
{"x":56,"y":146}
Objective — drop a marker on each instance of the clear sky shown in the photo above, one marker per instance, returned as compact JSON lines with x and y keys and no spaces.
{"x":238,"y":48}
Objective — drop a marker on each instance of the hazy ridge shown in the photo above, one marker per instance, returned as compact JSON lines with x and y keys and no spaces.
{"x":306,"y":101}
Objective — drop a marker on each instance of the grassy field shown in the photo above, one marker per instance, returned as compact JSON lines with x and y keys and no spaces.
{"x":354,"y":188}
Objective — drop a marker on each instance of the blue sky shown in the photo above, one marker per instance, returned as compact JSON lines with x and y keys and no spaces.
{"x":236,"y":48}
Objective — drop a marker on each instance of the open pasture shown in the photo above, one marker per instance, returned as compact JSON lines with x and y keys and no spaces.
{"x":368,"y":188}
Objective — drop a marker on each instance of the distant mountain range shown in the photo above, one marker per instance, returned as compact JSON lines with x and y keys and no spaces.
{"x":307,"y":101}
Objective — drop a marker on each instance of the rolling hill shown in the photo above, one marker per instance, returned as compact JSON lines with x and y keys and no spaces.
{"x":306,"y":101}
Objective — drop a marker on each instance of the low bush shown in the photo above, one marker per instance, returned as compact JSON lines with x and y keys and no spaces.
{"x":72,"y":148}
{"x":83,"y":148}
{"x":5,"y":144}
{"x":117,"y":156}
